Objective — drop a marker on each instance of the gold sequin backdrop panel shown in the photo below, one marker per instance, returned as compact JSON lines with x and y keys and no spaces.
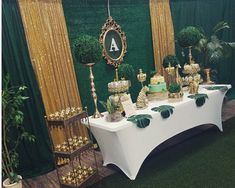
{"x":162,"y":31}
{"x":48,"y":44}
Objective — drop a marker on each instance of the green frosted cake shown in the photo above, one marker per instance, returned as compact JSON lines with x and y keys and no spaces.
{"x":157,"y":84}
{"x":159,"y":87}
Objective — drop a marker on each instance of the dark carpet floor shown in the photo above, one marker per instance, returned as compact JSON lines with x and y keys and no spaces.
{"x":203,"y":161}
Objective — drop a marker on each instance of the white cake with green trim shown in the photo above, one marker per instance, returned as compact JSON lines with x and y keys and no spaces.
{"x":157,"y":84}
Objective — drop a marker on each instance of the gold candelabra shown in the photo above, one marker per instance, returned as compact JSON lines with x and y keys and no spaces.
{"x":97,"y":114}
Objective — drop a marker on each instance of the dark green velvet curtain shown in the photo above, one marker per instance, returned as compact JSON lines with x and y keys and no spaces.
{"x":206,"y":14}
{"x":35,"y":158}
{"x":88,"y":16}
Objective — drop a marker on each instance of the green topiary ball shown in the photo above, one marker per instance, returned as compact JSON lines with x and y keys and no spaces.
{"x":126,"y":71}
{"x":189,"y":36}
{"x":170,"y":59}
{"x":87,"y":49}
{"x":174,"y":88}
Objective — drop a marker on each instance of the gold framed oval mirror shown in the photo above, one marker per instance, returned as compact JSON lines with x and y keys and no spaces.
{"x":113,"y":42}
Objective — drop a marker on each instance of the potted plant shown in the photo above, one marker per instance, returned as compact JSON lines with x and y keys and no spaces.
{"x":175,"y":93}
{"x":87,"y":50}
{"x":189,"y":36}
{"x":171,"y":60}
{"x":212,"y":49}
{"x":12,"y":119}
{"x":126,"y":72}
{"x":113,"y":114}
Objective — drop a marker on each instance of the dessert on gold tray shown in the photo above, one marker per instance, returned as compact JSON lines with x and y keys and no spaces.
{"x":72,"y":144}
{"x":157,"y":88}
{"x":77,"y":176}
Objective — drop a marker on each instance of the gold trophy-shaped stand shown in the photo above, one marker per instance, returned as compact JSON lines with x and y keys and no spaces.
{"x":172,"y":75}
{"x":118,"y":88}
{"x":141,"y":77}
{"x":97,"y":114}
{"x":142,"y":100}
{"x":193,"y":78}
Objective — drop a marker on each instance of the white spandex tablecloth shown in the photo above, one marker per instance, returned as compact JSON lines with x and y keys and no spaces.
{"x":125,"y":145}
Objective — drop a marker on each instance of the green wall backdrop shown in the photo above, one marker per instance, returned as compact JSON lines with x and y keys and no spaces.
{"x":88,"y":16}
{"x":35,"y":158}
{"x":206,"y":14}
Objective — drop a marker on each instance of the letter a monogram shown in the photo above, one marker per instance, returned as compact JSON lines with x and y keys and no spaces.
{"x":113,"y":46}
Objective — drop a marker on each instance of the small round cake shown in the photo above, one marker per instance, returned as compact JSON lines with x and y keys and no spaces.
{"x":157,"y":88}
{"x":157,"y":84}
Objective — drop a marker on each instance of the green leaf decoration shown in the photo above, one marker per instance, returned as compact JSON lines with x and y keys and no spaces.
{"x":219,"y":26}
{"x":200,"y":98}
{"x":165,"y":110}
{"x":109,"y":106}
{"x":221,"y":88}
{"x":141,"y":120}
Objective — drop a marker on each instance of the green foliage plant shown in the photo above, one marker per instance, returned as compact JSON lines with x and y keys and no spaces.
{"x":174,"y":88}
{"x":171,"y":60}
{"x":212,"y":48}
{"x":109,"y":106}
{"x":12,"y":119}
{"x":126,"y":71}
{"x":189,"y":36}
{"x":87,"y":49}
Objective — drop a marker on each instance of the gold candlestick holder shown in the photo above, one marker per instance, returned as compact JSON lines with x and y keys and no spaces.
{"x":97,"y":114}
{"x":208,"y":78}
{"x":141,"y":77}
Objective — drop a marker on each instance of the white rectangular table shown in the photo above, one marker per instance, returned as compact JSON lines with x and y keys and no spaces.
{"x":125,"y":145}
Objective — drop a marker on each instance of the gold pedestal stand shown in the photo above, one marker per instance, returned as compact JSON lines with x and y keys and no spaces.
{"x":208,"y":78}
{"x":141,"y":77}
{"x":97,"y":114}
{"x":142,"y":100}
{"x":118,"y":88}
{"x":192,"y":79}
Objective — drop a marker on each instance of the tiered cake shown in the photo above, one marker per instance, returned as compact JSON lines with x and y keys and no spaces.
{"x":157,"y":88}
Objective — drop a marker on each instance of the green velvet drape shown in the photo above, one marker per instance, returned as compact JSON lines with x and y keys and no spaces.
{"x":206,"y":14}
{"x":88,"y":16}
{"x":35,"y":158}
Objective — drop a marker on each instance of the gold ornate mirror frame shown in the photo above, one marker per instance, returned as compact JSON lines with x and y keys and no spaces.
{"x":112,"y":27}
